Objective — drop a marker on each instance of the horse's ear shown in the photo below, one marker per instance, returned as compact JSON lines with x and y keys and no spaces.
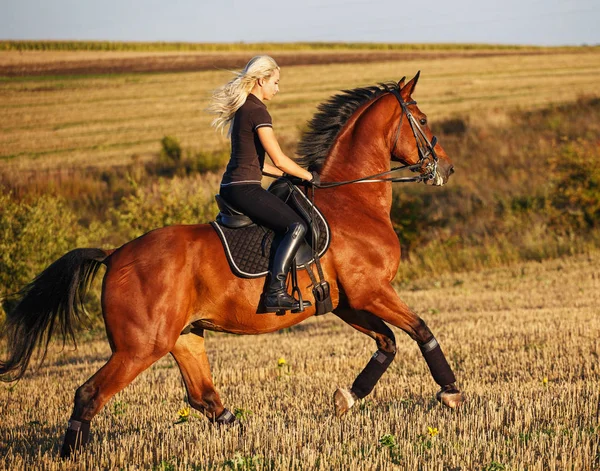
{"x":401,"y":82}
{"x":409,"y":88}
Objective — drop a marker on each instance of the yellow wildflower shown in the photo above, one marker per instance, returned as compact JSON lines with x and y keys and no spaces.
{"x":184,"y":412}
{"x":432,"y":431}
{"x":545,"y":381}
{"x":281,"y":362}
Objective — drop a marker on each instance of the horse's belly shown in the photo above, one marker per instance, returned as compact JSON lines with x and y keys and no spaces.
{"x":226,"y":303}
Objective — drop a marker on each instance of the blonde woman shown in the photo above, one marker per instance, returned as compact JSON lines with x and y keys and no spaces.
{"x":240,"y":105}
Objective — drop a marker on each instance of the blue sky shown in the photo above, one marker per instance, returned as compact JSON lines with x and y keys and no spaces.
{"x":537,"y":22}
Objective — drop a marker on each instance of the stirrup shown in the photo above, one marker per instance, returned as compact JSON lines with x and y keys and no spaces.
{"x":282,"y":301}
{"x":295,"y":290}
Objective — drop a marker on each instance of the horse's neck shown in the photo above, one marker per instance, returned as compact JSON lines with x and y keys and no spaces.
{"x":361,"y":149}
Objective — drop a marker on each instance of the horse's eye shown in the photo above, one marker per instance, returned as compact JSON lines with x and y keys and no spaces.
{"x":423,"y":121}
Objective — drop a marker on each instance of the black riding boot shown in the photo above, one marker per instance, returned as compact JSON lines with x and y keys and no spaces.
{"x":277,"y":297}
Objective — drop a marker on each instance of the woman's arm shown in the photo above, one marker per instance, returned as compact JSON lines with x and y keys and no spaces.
{"x":281,"y":161}
{"x":268,"y":168}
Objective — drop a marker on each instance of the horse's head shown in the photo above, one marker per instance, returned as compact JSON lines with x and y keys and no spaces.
{"x":413,"y":142}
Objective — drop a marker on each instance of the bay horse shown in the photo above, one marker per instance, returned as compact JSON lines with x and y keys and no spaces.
{"x":177,"y":279}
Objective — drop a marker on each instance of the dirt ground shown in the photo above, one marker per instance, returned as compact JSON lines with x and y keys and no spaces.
{"x":16,"y":64}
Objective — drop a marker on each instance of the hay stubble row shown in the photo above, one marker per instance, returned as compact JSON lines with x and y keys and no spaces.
{"x":523,"y":340}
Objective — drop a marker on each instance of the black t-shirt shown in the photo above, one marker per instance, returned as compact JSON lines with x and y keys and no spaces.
{"x":247,"y":153}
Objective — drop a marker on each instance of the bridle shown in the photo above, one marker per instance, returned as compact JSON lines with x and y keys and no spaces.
{"x":427,"y":156}
{"x":424,"y":146}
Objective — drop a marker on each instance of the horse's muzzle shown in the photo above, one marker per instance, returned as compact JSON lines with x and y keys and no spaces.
{"x":442,"y":174}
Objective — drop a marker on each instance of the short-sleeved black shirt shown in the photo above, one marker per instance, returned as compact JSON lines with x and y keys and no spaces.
{"x":247,"y":153}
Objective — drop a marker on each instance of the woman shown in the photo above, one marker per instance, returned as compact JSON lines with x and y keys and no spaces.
{"x":240,"y":105}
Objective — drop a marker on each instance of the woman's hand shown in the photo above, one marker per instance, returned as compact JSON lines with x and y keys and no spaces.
{"x":316,"y":178}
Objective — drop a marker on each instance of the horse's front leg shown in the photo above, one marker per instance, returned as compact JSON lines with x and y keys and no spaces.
{"x":384,"y":302}
{"x":364,"y":383}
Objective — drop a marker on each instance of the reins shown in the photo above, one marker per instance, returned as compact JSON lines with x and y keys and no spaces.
{"x":321,"y":289}
{"x":425,"y":147}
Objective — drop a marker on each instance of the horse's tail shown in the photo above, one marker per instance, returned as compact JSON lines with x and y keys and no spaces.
{"x":56,"y":294}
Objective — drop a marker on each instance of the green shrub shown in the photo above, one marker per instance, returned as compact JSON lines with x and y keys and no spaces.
{"x":171,"y":149}
{"x":172,"y":161}
{"x":575,"y":180}
{"x":167,"y":202}
{"x":203,"y":162}
{"x":33,"y":235}
{"x":409,"y":219}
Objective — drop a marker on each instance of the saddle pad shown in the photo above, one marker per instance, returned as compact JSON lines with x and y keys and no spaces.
{"x":248,"y":249}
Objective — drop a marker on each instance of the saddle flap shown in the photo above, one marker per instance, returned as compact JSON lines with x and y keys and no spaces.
{"x":295,"y":199}
{"x":303,"y":207}
{"x":282,"y":188}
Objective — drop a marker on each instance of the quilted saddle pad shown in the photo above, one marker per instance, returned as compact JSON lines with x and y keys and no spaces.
{"x":249,"y":249}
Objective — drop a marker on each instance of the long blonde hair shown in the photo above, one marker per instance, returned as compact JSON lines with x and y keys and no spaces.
{"x":227,"y":99}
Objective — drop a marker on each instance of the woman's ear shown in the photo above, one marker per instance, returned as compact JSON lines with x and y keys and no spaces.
{"x":260,"y":82}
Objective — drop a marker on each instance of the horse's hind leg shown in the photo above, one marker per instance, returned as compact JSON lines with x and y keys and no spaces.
{"x":120,"y":370}
{"x":190,"y":355}
{"x":364,"y":383}
{"x":384,"y":302}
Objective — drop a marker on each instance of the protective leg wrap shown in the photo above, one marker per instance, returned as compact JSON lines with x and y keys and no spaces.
{"x":367,"y":379}
{"x":225,"y":418}
{"x":436,"y":361}
{"x":76,"y":436}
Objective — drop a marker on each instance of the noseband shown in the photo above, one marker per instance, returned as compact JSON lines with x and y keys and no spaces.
{"x":425,"y":147}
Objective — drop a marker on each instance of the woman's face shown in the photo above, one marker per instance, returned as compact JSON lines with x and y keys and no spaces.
{"x":270,"y":86}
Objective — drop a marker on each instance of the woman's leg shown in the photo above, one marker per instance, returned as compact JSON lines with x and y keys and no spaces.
{"x":261,"y":206}
{"x":268,"y":210}
{"x":277,"y":298}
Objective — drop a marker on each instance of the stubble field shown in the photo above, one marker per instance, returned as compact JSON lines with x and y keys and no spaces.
{"x":524,"y":342}
{"x":105,"y":120}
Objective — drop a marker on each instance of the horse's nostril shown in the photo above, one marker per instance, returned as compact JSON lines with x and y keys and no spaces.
{"x":451,"y":170}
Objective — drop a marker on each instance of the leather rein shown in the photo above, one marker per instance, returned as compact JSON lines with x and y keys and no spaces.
{"x":425,"y":147}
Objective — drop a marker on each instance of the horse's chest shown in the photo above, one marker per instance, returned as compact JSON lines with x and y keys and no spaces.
{"x":376,"y":244}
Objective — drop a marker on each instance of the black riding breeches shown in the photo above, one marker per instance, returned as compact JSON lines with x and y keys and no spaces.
{"x":261,"y":206}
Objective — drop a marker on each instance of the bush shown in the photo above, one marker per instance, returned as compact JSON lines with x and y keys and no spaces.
{"x":203,"y":162}
{"x":34,"y":235}
{"x":167,"y":202}
{"x":171,"y":149}
{"x":173,"y":163}
{"x":409,"y":219}
{"x":575,"y":186}
{"x":451,"y":126}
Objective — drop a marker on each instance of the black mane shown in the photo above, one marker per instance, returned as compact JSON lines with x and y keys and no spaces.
{"x":330,"y":118}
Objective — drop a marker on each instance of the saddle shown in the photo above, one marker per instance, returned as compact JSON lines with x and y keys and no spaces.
{"x":249,"y":246}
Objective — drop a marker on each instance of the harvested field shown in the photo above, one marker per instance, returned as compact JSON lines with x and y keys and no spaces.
{"x":524,"y":341}
{"x":31,"y":63}
{"x":78,"y":121}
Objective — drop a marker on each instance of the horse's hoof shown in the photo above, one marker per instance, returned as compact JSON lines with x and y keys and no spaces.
{"x":343,"y":400}
{"x":450,"y":396}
